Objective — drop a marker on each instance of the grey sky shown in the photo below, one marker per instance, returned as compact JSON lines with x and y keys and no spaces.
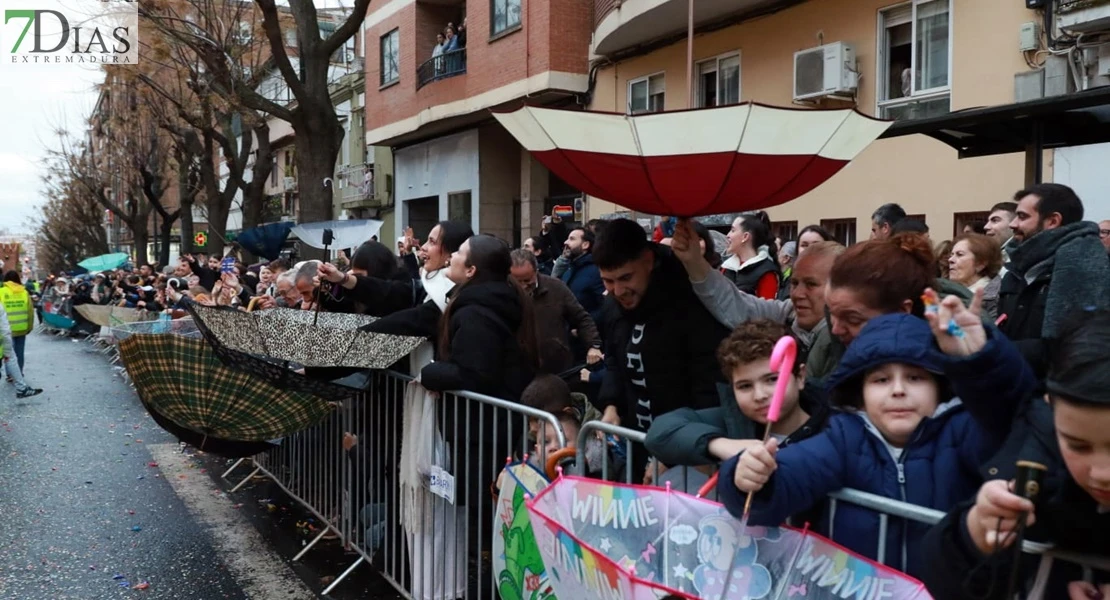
{"x":34,"y":101}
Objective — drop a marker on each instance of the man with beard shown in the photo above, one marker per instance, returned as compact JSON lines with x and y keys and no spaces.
{"x":1057,"y":268}
{"x":661,"y":342}
{"x":581,"y":274}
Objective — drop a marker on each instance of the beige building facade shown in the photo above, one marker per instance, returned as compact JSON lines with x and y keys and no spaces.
{"x":959,"y":54}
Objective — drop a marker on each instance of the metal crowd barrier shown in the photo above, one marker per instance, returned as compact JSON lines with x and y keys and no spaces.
{"x":429,"y":546}
{"x":630,"y":440}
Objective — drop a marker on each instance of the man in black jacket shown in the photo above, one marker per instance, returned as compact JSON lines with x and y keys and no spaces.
{"x":1058,"y":267}
{"x":661,"y":342}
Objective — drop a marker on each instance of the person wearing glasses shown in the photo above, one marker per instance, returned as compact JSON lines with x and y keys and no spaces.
{"x":1104,"y":234}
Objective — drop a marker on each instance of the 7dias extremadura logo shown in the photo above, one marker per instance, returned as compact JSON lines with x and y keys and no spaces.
{"x":44,"y":32}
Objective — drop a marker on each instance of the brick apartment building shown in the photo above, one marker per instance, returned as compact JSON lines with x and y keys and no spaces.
{"x":450,"y":158}
{"x":910,"y":59}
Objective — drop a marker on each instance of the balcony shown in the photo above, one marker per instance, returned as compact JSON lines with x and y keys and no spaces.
{"x":355,"y":186}
{"x":622,"y":24}
{"x":448,"y":64}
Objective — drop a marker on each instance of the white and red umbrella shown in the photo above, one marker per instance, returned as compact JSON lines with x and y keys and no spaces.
{"x":694,"y":162}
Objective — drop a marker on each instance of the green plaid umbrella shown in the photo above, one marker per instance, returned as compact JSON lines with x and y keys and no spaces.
{"x":181,"y":379}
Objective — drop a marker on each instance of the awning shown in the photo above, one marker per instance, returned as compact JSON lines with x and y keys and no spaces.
{"x":1056,"y":122}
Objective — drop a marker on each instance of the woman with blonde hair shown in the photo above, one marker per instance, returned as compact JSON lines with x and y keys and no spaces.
{"x":974,"y":261}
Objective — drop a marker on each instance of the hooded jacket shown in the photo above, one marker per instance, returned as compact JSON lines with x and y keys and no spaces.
{"x":937,"y":469}
{"x":584,"y":280}
{"x":1067,"y":517}
{"x":484,"y":355}
{"x":827,"y":350}
{"x":661,"y":355}
{"x":682,"y":436}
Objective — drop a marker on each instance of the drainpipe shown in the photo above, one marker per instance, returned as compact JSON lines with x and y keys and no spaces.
{"x":527,"y":43}
{"x":689,"y":53}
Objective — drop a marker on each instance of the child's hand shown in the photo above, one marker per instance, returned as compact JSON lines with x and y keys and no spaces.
{"x":756,"y":466}
{"x":993,"y":519}
{"x":1082,"y":590}
{"x":969,"y":336}
{"x":725,"y":448}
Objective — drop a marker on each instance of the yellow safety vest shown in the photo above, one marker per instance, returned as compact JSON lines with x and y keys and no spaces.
{"x":17,"y":303}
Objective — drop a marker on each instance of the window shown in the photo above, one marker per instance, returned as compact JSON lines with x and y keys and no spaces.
{"x":974,"y":219}
{"x":274,"y":170}
{"x":785,"y":230}
{"x":391,"y":49}
{"x":458,"y":207}
{"x":506,"y":16}
{"x":646,"y":94}
{"x":719,"y":81}
{"x":915,"y":46}
{"x":842,"y":230}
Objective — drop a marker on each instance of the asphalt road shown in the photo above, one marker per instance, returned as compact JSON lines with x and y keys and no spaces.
{"x":96,"y":501}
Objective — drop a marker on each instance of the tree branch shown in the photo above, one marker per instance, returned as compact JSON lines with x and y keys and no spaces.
{"x":272,"y":26}
{"x":345,"y":31}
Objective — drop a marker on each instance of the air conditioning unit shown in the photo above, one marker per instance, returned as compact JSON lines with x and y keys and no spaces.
{"x":828,"y":70}
{"x":1083,"y":16}
{"x":290,"y":184}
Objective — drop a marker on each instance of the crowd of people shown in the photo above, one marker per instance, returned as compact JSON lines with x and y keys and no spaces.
{"x":925,"y":371}
{"x":888,"y":396}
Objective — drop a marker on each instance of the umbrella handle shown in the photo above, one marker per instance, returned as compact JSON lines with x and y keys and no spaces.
{"x":709,"y":485}
{"x":316,"y":316}
{"x":553,"y":461}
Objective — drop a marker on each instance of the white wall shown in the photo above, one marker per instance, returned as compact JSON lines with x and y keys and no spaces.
{"x":437,"y":168}
{"x":1083,"y":168}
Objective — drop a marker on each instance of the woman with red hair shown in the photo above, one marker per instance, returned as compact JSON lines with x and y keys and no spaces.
{"x":872,"y":278}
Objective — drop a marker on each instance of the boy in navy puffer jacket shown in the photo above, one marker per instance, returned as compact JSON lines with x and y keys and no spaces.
{"x":902,"y":433}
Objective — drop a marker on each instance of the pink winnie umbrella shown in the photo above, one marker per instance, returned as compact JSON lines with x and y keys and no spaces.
{"x":694,"y":162}
{"x":605,"y":541}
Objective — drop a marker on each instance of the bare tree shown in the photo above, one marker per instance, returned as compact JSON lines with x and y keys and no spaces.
{"x":70,"y":225}
{"x":304,"y":69}
{"x":103,"y":172}
{"x":228,"y":142}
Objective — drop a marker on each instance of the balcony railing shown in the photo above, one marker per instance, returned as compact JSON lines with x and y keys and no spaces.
{"x":355,"y":182}
{"x":602,"y":8}
{"x":445,"y":65}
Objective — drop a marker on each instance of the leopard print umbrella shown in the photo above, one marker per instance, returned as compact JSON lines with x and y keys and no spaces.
{"x":288,"y":335}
